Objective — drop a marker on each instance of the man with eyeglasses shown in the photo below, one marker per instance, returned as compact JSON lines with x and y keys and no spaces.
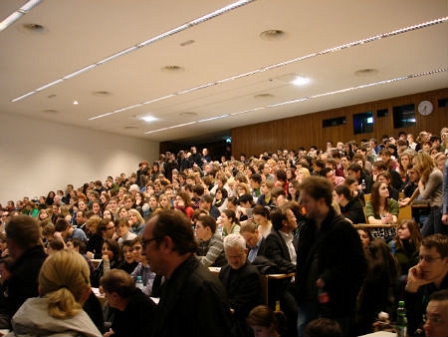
{"x":427,"y":277}
{"x":436,"y":318}
{"x":192,"y":300}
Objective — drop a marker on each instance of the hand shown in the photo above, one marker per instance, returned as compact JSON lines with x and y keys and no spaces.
{"x":416,"y":279}
{"x":105,"y":257}
{"x":320,"y":283}
{"x":109,"y":333}
{"x":445,"y":219}
{"x":403,"y":202}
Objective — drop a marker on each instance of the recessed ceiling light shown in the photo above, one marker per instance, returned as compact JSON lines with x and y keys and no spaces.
{"x":173,"y":69}
{"x":33,"y":28}
{"x":148,"y":119}
{"x":75,"y":102}
{"x":101,"y":93}
{"x":366,"y":72}
{"x":188,"y":114}
{"x":264,"y":96}
{"x":50,"y":111}
{"x":300,"y":80}
{"x":272,"y":34}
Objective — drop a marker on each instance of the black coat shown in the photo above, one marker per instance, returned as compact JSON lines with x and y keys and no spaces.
{"x":137,"y":319}
{"x":193,"y":302}
{"x":334,"y":254}
{"x":22,"y":283}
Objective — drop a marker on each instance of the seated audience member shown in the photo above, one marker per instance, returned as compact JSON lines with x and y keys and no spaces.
{"x":246,"y":205}
{"x":265,"y":199}
{"x":385,"y":177}
{"x":428,"y":276}
{"x":241,"y":281}
{"x":144,"y":270}
{"x":279,"y":196}
{"x":54,"y":245}
{"x":111,"y":259}
{"x":133,"y":311}
{"x":351,"y":208}
{"x":323,"y":327}
{"x":123,"y":231}
{"x":183,"y":203}
{"x":255,"y":242}
{"x":95,"y":243}
{"x":210,"y":246}
{"x":206,"y":202}
{"x":25,"y":248}
{"x":262,"y":217}
{"x":381,"y":208}
{"x":266,"y":322}
{"x":136,"y":222}
{"x":355,"y":171}
{"x":229,"y":223}
{"x":64,"y":287}
{"x":436,"y":317}
{"x":406,"y":245}
{"x":129,"y":262}
{"x":80,"y":247}
{"x":192,"y":301}
{"x":378,"y":290}
{"x":67,"y":231}
{"x":365,"y":235}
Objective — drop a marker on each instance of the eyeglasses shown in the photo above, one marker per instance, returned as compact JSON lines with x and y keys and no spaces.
{"x":436,"y":320}
{"x":148,"y":241}
{"x":428,"y":259}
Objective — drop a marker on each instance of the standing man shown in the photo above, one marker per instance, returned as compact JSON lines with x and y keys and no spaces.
{"x":25,"y":247}
{"x":192,"y":300}
{"x":330,"y":260}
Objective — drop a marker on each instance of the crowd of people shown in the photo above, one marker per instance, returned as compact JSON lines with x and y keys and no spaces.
{"x":291,"y":212}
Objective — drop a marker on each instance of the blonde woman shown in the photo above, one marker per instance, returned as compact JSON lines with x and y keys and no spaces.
{"x":302,"y":173}
{"x":64,"y":285}
{"x":430,"y":188}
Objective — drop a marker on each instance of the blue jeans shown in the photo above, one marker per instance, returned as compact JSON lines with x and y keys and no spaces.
{"x":434,"y":223}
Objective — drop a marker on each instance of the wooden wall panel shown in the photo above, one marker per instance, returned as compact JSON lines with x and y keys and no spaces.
{"x":307,"y":130}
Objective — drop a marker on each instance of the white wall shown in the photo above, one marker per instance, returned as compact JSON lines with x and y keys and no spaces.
{"x":38,"y":156}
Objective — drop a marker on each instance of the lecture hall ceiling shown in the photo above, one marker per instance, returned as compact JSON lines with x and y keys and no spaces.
{"x":197,"y":68}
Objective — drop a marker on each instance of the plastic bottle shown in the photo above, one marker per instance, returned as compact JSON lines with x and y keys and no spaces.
{"x":363,"y":185}
{"x":324,"y":300}
{"x":402,"y":321}
{"x":139,"y":282}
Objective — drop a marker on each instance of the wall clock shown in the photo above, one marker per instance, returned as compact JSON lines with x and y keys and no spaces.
{"x":425,"y":108}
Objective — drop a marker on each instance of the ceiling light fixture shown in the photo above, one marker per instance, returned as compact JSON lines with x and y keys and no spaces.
{"x":149,"y":119}
{"x":299,"y":59}
{"x":18,"y":14}
{"x":300,"y":80}
{"x":152,"y":40}
{"x":303,"y":99}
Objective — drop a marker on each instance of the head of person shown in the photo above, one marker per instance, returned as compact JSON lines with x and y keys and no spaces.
{"x":316,"y":196}
{"x":379,"y":192}
{"x":235,"y":250}
{"x":266,"y":322}
{"x":323,"y":327}
{"x":424,"y":164}
{"x":409,"y":231}
{"x":205,"y":227}
{"x":77,"y":245}
{"x":65,"y":280}
{"x":249,"y":231}
{"x":283,"y":218}
{"x":107,"y":228}
{"x":436,"y":318}
{"x":433,"y":257}
{"x":228,"y":217}
{"x":344,"y":195}
{"x":137,"y":248}
{"x":261,"y":214}
{"x":118,"y":287}
{"x":111,"y":249}
{"x":168,"y":238}
{"x":365,"y":236}
{"x":22,"y":234}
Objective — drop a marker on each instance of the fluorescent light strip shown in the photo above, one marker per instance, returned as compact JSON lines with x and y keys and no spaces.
{"x":362,"y":86}
{"x":18,"y":14}
{"x":164,"y":35}
{"x":302,"y":58}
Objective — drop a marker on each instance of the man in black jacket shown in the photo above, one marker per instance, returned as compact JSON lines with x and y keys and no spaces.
{"x":330,"y":260}
{"x":25,"y":247}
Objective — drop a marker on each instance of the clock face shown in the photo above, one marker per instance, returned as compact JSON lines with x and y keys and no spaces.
{"x":425,"y":108}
